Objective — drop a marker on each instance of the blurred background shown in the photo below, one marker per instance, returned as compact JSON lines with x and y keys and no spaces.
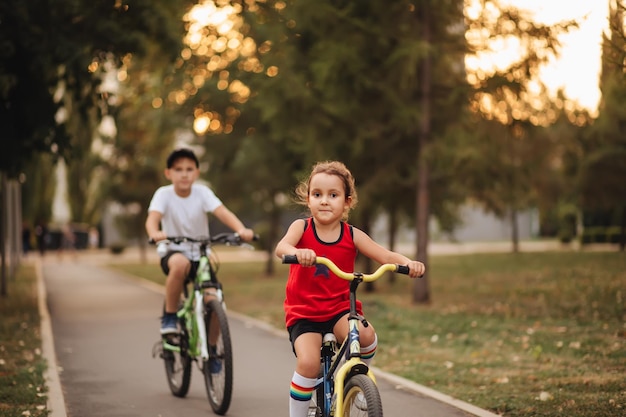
{"x":469,"y":120}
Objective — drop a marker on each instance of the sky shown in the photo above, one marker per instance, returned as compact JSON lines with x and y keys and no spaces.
{"x":577,"y":69}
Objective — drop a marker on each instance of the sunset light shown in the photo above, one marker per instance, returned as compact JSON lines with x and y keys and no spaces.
{"x":577,"y":69}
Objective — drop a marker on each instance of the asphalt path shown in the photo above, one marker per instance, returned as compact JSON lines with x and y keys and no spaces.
{"x":104,"y":325}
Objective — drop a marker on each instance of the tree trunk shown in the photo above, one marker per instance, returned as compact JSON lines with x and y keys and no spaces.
{"x":3,"y":207}
{"x":514,"y":230}
{"x":421,"y":290}
{"x":393,"y":228}
{"x":622,"y":239}
{"x":366,"y":262}
{"x":272,"y":237}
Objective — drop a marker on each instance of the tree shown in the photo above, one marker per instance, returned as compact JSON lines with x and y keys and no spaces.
{"x":330,"y":80}
{"x":603,"y":166}
{"x":506,"y":96}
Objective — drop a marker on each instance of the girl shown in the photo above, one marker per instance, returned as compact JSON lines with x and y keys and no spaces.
{"x":316,"y":300}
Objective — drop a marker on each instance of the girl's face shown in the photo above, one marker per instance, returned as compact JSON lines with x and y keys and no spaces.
{"x":183,"y":173}
{"x":327,"y":198}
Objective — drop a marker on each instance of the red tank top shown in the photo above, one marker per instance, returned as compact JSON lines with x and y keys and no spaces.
{"x":315,"y":293}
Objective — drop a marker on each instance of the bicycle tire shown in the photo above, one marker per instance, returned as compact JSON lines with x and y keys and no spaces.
{"x":178,"y":365}
{"x":361,"y":398}
{"x":219,"y":385}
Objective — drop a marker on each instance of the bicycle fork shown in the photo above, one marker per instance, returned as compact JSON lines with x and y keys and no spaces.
{"x":202,"y":336}
{"x":334,"y":386}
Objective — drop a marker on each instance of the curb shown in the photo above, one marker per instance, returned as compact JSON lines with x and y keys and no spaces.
{"x":402,"y":383}
{"x":398,"y":381}
{"x":56,"y":399}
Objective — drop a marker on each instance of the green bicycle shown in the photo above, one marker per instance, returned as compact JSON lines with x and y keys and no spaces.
{"x":204,"y":335}
{"x":346,"y":386}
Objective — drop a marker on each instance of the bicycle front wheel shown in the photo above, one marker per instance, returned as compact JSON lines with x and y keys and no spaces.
{"x":218,"y":370}
{"x":361,"y":398}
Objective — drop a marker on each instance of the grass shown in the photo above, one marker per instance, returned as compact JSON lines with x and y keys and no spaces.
{"x":530,"y":334}
{"x":22,"y":385}
{"x":541,"y":334}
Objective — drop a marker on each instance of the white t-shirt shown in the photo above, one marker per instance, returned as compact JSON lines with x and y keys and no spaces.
{"x":185,"y":216}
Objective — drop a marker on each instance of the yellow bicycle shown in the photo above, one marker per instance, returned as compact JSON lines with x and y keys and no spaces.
{"x":346,"y":386}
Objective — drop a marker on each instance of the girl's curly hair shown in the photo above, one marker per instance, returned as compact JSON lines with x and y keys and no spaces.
{"x":331,"y":168}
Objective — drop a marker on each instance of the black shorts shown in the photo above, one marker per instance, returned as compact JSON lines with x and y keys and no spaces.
{"x":308,"y":326}
{"x":166,"y":269}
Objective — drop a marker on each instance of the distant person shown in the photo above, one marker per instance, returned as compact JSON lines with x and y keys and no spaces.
{"x":180,"y":209}
{"x":41,"y":237}
{"x":25,"y":238}
{"x":68,"y":241}
{"x":93,"y":238}
{"x":317,"y":301}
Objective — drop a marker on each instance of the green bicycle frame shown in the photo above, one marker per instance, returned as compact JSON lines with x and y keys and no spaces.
{"x":192,"y":312}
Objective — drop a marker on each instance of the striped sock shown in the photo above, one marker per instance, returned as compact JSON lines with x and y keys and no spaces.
{"x":300,"y":394}
{"x":368,"y":352}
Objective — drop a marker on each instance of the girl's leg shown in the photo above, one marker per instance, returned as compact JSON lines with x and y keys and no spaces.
{"x":367,"y":335}
{"x":307,"y":347}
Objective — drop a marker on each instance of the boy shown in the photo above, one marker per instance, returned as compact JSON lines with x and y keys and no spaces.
{"x":181,"y":209}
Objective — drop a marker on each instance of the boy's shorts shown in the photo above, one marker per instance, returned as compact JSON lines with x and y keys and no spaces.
{"x":166,"y":269}
{"x":308,"y":326}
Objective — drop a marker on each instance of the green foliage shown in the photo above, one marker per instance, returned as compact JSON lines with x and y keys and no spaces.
{"x":46,"y":47}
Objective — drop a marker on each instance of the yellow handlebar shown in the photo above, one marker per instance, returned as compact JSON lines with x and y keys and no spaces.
{"x":349,"y":276}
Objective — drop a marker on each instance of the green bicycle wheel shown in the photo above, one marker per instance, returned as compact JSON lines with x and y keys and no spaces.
{"x":218,"y":370}
{"x":361,"y":398}
{"x":178,"y":364}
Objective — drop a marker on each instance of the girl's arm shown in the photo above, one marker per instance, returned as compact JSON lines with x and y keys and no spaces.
{"x":287,"y":245}
{"x":368,"y":247}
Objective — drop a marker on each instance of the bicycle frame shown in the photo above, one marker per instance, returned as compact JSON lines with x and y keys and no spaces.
{"x":193,"y":312}
{"x":207,"y":343}
{"x":335,"y":376}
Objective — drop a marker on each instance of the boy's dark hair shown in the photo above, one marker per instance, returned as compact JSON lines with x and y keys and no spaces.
{"x":182,"y":153}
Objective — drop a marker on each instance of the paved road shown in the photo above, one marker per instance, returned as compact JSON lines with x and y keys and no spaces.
{"x":105,"y":325}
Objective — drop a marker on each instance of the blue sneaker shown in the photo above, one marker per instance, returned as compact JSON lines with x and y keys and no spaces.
{"x":169,"y":324}
{"x":215,"y":364}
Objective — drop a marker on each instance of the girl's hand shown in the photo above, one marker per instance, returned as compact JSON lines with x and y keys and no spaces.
{"x":306,"y":257}
{"x":416,"y":269}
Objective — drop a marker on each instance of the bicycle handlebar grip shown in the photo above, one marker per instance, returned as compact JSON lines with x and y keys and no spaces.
{"x":290,"y":259}
{"x":402,"y":269}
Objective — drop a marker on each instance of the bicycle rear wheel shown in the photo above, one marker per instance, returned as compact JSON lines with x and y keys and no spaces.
{"x":178,"y":364}
{"x":218,"y":370}
{"x":361,"y":398}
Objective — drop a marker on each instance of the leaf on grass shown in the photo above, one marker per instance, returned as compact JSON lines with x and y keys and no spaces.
{"x":574,"y":345}
{"x":545,"y":396}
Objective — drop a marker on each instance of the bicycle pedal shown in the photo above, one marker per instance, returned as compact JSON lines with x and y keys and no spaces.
{"x":172,"y":338}
{"x":157,"y":349}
